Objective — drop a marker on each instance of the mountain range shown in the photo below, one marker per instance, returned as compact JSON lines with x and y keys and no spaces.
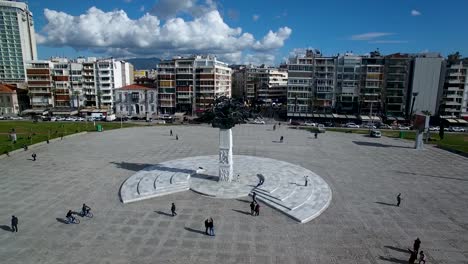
{"x":144,"y":63}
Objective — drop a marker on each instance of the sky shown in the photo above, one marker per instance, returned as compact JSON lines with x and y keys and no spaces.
{"x":247,"y":31}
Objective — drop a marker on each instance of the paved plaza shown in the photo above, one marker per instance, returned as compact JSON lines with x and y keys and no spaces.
{"x":361,"y":225}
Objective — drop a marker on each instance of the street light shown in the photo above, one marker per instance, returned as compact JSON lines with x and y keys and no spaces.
{"x":415,"y":94}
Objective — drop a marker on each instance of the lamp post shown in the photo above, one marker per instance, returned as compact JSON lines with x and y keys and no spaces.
{"x":412,"y":104}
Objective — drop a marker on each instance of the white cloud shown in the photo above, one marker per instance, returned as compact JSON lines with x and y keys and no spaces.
{"x":415,"y":12}
{"x":370,"y":35}
{"x":165,"y":9}
{"x":388,"y":41}
{"x":114,"y":33}
{"x":255,"y":17}
{"x":259,"y":58}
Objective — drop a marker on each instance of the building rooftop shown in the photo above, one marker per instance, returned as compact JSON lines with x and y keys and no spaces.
{"x":7,"y":88}
{"x":134,"y":87}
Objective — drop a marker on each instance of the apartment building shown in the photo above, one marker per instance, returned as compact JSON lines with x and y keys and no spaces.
{"x":324,"y":84}
{"x":190,"y":84}
{"x":136,"y":100}
{"x":455,"y":91}
{"x":17,"y":40}
{"x":300,"y":95}
{"x":372,"y":85}
{"x":40,"y":83}
{"x":397,"y":85}
{"x":348,"y":83}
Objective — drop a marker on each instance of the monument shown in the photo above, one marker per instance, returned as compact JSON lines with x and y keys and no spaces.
{"x":225,"y":114}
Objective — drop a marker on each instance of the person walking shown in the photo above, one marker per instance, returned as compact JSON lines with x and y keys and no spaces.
{"x":176,"y":137}
{"x":34,"y":156}
{"x":207,"y":226}
{"x":252,"y":208}
{"x":170,"y":133}
{"x":398,"y":198}
{"x":173,"y":210}
{"x":413,"y":256}
{"x":14,"y":223}
{"x":422,"y":257}
{"x":306,"y":179}
{"x":315,"y":134}
{"x":211,"y":225}
{"x":257,"y":209}
{"x":254,"y":195}
{"x":416,"y":245}
{"x":274,"y":127}
{"x":281,"y":139}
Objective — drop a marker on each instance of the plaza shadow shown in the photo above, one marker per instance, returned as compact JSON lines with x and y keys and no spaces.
{"x":6,"y":228}
{"x":397,"y":249}
{"x":205,"y":176}
{"x":242,"y":212}
{"x":431,"y":176}
{"x":61,"y":220}
{"x":392,"y":259}
{"x":389,"y":204}
{"x":144,"y":166}
{"x":244,"y":201}
{"x":195,"y":230}
{"x":374,"y":144}
{"x":163,"y":213}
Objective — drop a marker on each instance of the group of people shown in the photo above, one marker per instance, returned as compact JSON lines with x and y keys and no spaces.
{"x":254,"y":208}
{"x":209,"y":227}
{"x":414,"y":253}
{"x":84,"y":211}
{"x":176,"y":136}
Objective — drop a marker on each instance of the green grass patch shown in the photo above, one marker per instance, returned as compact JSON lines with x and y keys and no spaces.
{"x":453,"y":141}
{"x":28,"y":132}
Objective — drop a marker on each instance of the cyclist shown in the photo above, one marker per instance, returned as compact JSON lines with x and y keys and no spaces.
{"x":85,"y":210}
{"x":70,"y":217}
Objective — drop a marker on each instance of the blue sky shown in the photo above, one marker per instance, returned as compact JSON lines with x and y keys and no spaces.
{"x":332,"y":26}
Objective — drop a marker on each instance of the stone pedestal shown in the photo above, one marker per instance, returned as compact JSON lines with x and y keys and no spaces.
{"x":225,"y":155}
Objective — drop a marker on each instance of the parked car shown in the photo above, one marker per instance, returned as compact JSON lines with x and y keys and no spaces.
{"x":307,"y":123}
{"x":329,"y":124}
{"x":375,"y":133}
{"x":436,"y":128}
{"x":321,"y":128}
{"x":385,"y":126}
{"x":404,"y":128}
{"x":60,"y":118}
{"x":456,"y":129}
{"x":370,"y":126}
{"x":295,"y":123}
{"x":80,"y":119}
{"x":351,"y":125}
{"x":2,"y":118}
{"x":70,"y":119}
{"x":121,"y":118}
{"x":259,"y":122}
{"x":45,"y":118}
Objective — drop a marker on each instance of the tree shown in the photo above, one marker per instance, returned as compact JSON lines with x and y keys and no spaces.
{"x":453,"y":58}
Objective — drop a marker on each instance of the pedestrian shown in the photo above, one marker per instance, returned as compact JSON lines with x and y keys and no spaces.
{"x":306,"y":179}
{"x":413,"y":256}
{"x":315,"y":134}
{"x":281,"y":139}
{"x":257,"y":209}
{"x":417,"y":245}
{"x":279,"y":123}
{"x":34,"y":156}
{"x":238,"y":175}
{"x":254,"y":195}
{"x":25,"y":147}
{"x":252,"y":208}
{"x":274,"y":127}
{"x":176,"y":137}
{"x":171,"y":133}
{"x":422,"y":257}
{"x":14,"y":223}
{"x":211,"y":225}
{"x":207,"y":226}
{"x":173,"y":208}
{"x":398,"y":198}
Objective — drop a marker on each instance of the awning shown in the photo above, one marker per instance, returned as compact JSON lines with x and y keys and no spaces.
{"x":462,"y":121}
{"x":328,"y":116}
{"x":364,"y":118}
{"x":351,"y":117}
{"x":35,"y":111}
{"x":451,"y":121}
{"x":400,"y":119}
{"x":94,"y":111}
{"x":375,"y":118}
{"x":179,"y":114}
{"x":73,"y":112}
{"x":391,"y":118}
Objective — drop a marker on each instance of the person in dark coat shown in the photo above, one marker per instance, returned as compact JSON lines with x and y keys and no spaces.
{"x":281,"y":139}
{"x":254,"y":195}
{"x":207,"y":226}
{"x":34,"y":156}
{"x":211,"y":226}
{"x":398,"y":198}
{"x":257,"y":209}
{"x":417,"y":245}
{"x":14,"y":223}
{"x":170,"y":133}
{"x":315,"y":134}
{"x":252,"y":208}
{"x":413,"y":256}
{"x":173,"y":210}
{"x":177,"y":137}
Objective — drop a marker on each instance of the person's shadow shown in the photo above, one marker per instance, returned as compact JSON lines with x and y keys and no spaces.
{"x":163,"y":213}
{"x":194,"y":230}
{"x":389,"y":204}
{"x":242,"y":212}
{"x":394,"y":260}
{"x":6,"y":228}
{"x":61,"y":220}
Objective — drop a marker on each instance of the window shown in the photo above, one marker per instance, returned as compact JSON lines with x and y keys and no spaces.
{"x":151,"y":96}
{"x":152,"y":108}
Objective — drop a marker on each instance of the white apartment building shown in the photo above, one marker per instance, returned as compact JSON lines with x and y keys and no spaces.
{"x":136,"y":100}
{"x":348,"y":83}
{"x":455,"y":95}
{"x":40,"y":83}
{"x":325,"y":83}
{"x":300,"y":94}
{"x":17,"y":40}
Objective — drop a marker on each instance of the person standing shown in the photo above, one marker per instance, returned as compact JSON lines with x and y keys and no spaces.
{"x":170,"y":133}
{"x":274,"y":127}
{"x":306,"y":179}
{"x":398,"y":198}
{"x":316,"y":134}
{"x":34,"y":156}
{"x":257,"y":209}
{"x":422,"y":257}
{"x":252,"y":208}
{"x":207,"y":226}
{"x":281,"y":139}
{"x":14,"y":223}
{"x":212,"y":233}
{"x":254,"y":195}
{"x":176,"y":137}
{"x":413,"y":256}
{"x":173,"y":210}
{"x":417,"y":245}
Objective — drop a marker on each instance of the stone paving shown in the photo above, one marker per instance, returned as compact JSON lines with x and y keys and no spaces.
{"x":361,"y":225}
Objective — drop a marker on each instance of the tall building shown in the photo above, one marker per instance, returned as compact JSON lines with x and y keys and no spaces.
{"x":455,"y":92}
{"x":190,"y":84}
{"x":396,"y":85}
{"x":324,"y":84}
{"x":17,"y":39}
{"x":300,"y":97}
{"x":40,"y":83}
{"x":426,"y":83}
{"x":372,"y":85}
{"x":348,"y":83}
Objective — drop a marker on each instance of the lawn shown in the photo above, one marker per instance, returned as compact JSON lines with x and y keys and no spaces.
{"x":453,"y":141}
{"x":28,"y":133}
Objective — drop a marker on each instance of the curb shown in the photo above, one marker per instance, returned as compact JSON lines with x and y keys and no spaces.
{"x":461,"y":153}
{"x":33,"y":146}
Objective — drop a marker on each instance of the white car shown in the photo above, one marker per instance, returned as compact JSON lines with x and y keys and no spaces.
{"x":259,"y":122}
{"x":53,"y":119}
{"x":60,"y":118}
{"x":80,"y":119}
{"x":436,"y":128}
{"x":309,"y":124}
{"x":70,"y":119}
{"x":404,"y":128}
{"x":352,"y":125}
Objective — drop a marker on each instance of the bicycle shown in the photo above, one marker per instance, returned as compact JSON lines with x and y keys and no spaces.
{"x":74,"y":221}
{"x":87,"y":214}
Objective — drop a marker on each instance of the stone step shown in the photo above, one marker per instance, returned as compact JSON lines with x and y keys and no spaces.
{"x":285,"y":190}
{"x":299,"y":197}
{"x":271,"y":184}
{"x":272,"y":203}
{"x":179,"y":178}
{"x":146,"y":184}
{"x":171,"y":187}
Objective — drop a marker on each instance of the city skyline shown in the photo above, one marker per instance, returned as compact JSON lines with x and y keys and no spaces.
{"x":240,"y":32}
